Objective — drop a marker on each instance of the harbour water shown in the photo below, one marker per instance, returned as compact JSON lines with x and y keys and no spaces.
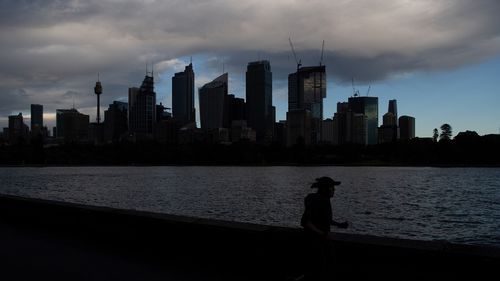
{"x":460,"y":205}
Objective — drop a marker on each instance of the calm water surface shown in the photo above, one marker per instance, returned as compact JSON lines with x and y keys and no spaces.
{"x":455,"y":204}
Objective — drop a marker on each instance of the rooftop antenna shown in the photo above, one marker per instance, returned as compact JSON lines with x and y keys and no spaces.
{"x":152,"y":69}
{"x":368,"y":92}
{"x":146,"y":68}
{"x":191,"y":60}
{"x":322,"y":49}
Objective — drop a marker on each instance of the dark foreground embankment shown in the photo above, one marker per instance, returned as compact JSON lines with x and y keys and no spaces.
{"x":42,"y":239}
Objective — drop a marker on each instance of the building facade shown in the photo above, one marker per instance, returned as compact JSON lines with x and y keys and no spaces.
{"x":298,"y":127}
{"x":406,"y":127}
{"x":183,"y":109}
{"x":369,"y":107}
{"x":115,"y":121}
{"x":212,"y":98}
{"x":142,"y":109}
{"x":349,"y":127}
{"x":327,"y":131}
{"x":72,"y":126}
{"x":259,"y":99}
{"x":36,"y":119}
{"x":18,"y":131}
{"x":393,"y":108}
{"x":306,"y":91}
{"x":389,"y":131}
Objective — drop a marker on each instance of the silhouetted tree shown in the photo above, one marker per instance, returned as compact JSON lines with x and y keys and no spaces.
{"x":435,"y":135}
{"x":445,"y":132}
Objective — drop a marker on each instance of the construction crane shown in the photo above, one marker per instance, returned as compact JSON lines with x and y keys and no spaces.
{"x":355,"y":92}
{"x":322,"y":49}
{"x":299,"y":62}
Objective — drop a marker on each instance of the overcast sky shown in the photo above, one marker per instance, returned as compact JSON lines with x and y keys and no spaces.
{"x":439,"y":59}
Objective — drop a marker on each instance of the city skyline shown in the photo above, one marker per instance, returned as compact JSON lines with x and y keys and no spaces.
{"x":438,"y":60}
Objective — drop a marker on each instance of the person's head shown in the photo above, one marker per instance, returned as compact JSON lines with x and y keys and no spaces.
{"x":325,"y":186}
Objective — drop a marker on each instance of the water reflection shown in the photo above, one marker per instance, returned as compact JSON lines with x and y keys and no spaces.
{"x":454,"y":204}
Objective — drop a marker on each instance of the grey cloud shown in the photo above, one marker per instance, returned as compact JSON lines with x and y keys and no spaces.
{"x":52,"y":47}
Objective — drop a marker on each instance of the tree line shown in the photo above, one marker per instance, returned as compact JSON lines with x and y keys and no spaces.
{"x":465,"y":149}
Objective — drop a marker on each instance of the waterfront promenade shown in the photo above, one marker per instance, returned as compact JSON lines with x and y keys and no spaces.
{"x":61,"y":241}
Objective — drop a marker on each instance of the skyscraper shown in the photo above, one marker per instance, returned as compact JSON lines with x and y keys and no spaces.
{"x":369,"y":107}
{"x":406,"y":127}
{"x":212,"y":97}
{"x":389,"y":131}
{"x":183,"y":96}
{"x":18,"y":131}
{"x":72,"y":126}
{"x":393,"y":108}
{"x":36,"y":119}
{"x":348,"y":126}
{"x":235,"y":109}
{"x":142,"y":109}
{"x":306,"y":91}
{"x":259,"y":99}
{"x":298,"y":127}
{"x":115,"y":121}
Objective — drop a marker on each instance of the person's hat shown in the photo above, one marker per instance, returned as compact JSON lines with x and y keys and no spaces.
{"x":324,"y":182}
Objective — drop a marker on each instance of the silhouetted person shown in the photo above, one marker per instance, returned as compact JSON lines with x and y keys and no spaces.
{"x":316,"y":221}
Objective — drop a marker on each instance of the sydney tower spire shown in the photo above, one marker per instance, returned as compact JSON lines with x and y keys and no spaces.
{"x":98,"y":92}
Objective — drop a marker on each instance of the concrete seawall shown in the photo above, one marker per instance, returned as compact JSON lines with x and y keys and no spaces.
{"x":217,"y":250}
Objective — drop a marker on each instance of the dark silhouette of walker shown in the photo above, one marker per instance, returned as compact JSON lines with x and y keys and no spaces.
{"x":316,"y":221}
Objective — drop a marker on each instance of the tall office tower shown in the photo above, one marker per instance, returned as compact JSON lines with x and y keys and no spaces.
{"x":298,"y":127}
{"x":115,"y":121}
{"x":349,"y":127}
{"x":36,"y":119}
{"x":389,"y":131}
{"x":183,"y":96}
{"x":393,"y":108}
{"x":327,"y":131}
{"x":306,"y":91}
{"x":142,"y":109}
{"x":235,"y":109}
{"x":212,"y":97}
{"x":18,"y":131}
{"x":369,"y":107}
{"x":389,"y":119}
{"x":259,"y":99}
{"x":72,"y":126}
{"x":406,"y":127}
{"x":342,"y":107}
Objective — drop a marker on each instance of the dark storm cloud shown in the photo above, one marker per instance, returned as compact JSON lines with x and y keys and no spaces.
{"x":51,"y":48}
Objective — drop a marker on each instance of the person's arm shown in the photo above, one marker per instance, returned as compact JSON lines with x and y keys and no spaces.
{"x":340,"y":224}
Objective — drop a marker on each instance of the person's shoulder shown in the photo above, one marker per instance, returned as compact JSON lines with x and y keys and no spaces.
{"x":311,"y":197}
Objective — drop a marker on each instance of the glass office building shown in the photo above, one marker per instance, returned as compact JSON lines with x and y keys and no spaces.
{"x":306,"y":91}
{"x":369,"y":107}
{"x":183,"y":96}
